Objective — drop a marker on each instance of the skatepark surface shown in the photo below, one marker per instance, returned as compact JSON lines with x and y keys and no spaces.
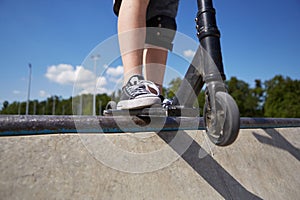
{"x":260,"y":164}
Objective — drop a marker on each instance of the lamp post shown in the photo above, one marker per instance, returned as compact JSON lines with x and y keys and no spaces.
{"x":28,"y":93}
{"x":95,"y":58}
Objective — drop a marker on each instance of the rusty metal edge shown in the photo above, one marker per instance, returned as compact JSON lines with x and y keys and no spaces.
{"x":14,"y":125}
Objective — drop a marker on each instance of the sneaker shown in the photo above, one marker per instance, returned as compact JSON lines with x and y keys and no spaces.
{"x":138,"y":93}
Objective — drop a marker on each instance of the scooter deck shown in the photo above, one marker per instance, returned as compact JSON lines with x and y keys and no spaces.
{"x":171,"y":111}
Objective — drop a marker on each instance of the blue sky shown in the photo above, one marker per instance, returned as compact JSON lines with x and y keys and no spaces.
{"x":260,"y":38}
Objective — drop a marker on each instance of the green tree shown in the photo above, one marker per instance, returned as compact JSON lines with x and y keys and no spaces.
{"x":278,"y":97}
{"x":282,"y":97}
{"x":5,"y":104}
{"x":201,"y":101}
{"x":247,"y":99}
{"x":258,"y":92}
{"x":173,"y":87}
{"x":101,"y":102}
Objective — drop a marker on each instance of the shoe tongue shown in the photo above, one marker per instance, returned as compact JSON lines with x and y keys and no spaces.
{"x":135,"y":79}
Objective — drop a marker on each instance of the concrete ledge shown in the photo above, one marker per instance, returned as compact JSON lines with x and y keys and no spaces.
{"x":31,"y":124}
{"x":261,"y":164}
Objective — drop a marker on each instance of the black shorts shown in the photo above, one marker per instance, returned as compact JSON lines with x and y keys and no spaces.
{"x":156,"y":7}
{"x":160,"y":18}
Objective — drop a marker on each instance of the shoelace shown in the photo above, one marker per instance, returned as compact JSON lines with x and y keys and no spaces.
{"x":143,"y":87}
{"x":137,"y":89}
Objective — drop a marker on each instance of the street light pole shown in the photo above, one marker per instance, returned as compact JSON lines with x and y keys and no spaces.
{"x":28,"y":93}
{"x":95,"y":58}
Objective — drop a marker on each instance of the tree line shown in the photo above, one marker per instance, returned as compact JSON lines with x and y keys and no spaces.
{"x":55,"y":105}
{"x":277,"y":97}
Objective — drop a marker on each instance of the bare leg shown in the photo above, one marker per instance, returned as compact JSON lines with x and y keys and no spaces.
{"x":131,"y":29}
{"x":155,"y":66}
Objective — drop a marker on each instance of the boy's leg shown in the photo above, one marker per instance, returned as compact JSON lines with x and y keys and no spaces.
{"x":161,"y":28}
{"x":136,"y":92}
{"x":131,"y":29}
{"x":155,"y":65}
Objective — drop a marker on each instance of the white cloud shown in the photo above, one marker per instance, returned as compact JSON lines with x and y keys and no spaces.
{"x":189,"y":53}
{"x":99,"y":90}
{"x":100,"y":87}
{"x":16,"y":92}
{"x":81,"y":78}
{"x":66,"y":74}
{"x":114,"y":74}
{"x":118,"y":71}
{"x":43,"y":94}
{"x":101,"y":81}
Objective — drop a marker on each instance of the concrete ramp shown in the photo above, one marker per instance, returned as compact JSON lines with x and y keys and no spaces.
{"x":261,"y":164}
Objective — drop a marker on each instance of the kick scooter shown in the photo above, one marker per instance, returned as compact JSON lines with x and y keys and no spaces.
{"x":220,"y":112}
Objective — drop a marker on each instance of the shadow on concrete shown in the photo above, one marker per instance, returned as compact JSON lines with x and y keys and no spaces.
{"x":278,"y":141}
{"x":209,"y":169}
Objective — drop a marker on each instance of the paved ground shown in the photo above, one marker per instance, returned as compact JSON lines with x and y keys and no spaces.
{"x":261,"y":164}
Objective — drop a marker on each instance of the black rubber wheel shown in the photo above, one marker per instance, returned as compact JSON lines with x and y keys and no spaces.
{"x":227,"y":123}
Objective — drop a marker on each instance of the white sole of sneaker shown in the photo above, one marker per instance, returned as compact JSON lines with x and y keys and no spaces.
{"x":138,"y":103}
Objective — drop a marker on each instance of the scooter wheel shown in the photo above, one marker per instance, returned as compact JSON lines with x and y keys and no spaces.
{"x":111,"y":105}
{"x":225,"y":129}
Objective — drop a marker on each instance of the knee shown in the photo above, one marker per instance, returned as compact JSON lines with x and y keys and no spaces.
{"x":161,"y":31}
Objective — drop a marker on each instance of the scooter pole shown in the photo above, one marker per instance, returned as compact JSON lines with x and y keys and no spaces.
{"x":199,"y":73}
{"x":209,"y":36}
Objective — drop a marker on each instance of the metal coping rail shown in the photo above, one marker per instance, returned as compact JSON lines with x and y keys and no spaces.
{"x":14,"y":125}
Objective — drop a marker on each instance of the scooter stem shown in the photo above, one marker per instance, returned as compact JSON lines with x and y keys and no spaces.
{"x":202,"y":69}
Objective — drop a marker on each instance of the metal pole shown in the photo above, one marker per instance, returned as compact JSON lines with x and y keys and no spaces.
{"x":16,"y":125}
{"x":28,"y":93}
{"x":19,"y":109}
{"x":95,"y":58}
